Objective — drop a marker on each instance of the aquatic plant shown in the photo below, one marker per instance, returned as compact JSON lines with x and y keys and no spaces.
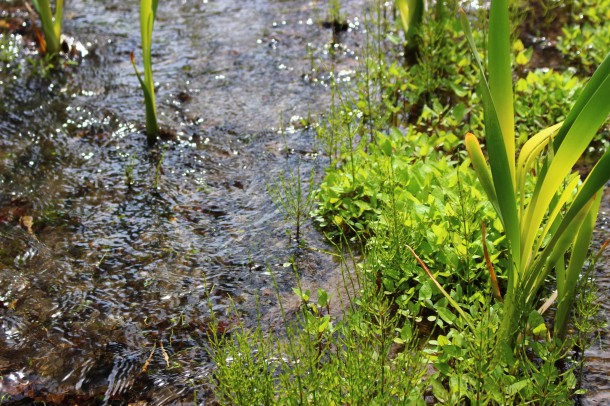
{"x":51,"y":26}
{"x":294,"y":199}
{"x":556,"y":218}
{"x":411,"y":15}
{"x":148,"y":12}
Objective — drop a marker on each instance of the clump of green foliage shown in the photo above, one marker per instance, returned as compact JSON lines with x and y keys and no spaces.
{"x":586,"y":40}
{"x":402,"y":192}
{"x":374,"y":355}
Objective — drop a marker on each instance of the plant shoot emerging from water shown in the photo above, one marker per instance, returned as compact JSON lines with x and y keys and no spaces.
{"x":148,"y":12}
{"x":288,"y":194}
{"x":51,"y":25}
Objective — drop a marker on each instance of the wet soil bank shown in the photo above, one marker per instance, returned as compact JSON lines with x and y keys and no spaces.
{"x":114,"y":254}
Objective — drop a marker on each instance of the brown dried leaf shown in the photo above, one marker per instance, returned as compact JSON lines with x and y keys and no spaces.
{"x":27,"y":222}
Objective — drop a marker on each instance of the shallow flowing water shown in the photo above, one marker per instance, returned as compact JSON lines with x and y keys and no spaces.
{"x":130,"y":248}
{"x":596,"y":375}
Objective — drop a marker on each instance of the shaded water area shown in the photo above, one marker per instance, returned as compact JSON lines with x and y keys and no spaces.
{"x":131,"y":248}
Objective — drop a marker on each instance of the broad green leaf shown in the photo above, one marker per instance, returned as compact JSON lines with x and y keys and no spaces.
{"x":322,"y":298}
{"x":500,"y":75}
{"x":425,"y":292}
{"x":553,"y":217}
{"x":568,"y":278}
{"x":324,"y":324}
{"x":528,"y":154}
{"x":482,"y":170}
{"x":517,"y":386}
{"x":439,"y":391}
{"x":502,"y":170}
{"x":411,"y":14}
{"x":536,"y":323}
{"x":582,"y":129}
{"x":446,"y":314}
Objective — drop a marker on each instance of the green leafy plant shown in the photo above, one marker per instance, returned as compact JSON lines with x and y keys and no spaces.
{"x":585,"y":41}
{"x":148,"y":12}
{"x":51,"y":25}
{"x":403,"y":191}
{"x":467,"y":371}
{"x":319,"y":360}
{"x":557,"y":217}
{"x":295,"y":199}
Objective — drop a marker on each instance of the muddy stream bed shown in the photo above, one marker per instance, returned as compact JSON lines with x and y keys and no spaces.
{"x":130,"y":248}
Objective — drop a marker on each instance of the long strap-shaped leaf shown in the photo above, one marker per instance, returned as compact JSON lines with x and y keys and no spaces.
{"x":482,"y":170}
{"x":528,"y":155}
{"x":411,"y":13}
{"x":568,"y":278}
{"x":554,"y":218}
{"x":594,"y":83}
{"x":535,"y":277}
{"x":501,"y":167}
{"x":593,"y":107}
{"x":501,"y":76}
{"x":43,"y":8}
{"x":598,"y":177}
{"x":148,"y":13}
{"x":59,"y":11}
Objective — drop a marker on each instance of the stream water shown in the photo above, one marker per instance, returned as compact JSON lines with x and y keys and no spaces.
{"x":131,"y":248}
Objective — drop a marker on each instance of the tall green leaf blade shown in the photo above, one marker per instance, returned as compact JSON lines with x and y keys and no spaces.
{"x":599,"y":76}
{"x":596,"y":180}
{"x":530,"y":151}
{"x":581,"y":131}
{"x":554,"y":252}
{"x":503,"y":180}
{"x":59,"y":11}
{"x":155,"y":3}
{"x":554,"y":217}
{"x":568,"y":278}
{"x":473,"y":47}
{"x":482,"y":170}
{"x":501,"y":168}
{"x":411,"y":14}
{"x":43,"y":8}
{"x":500,"y":76}
{"x":148,"y":11}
